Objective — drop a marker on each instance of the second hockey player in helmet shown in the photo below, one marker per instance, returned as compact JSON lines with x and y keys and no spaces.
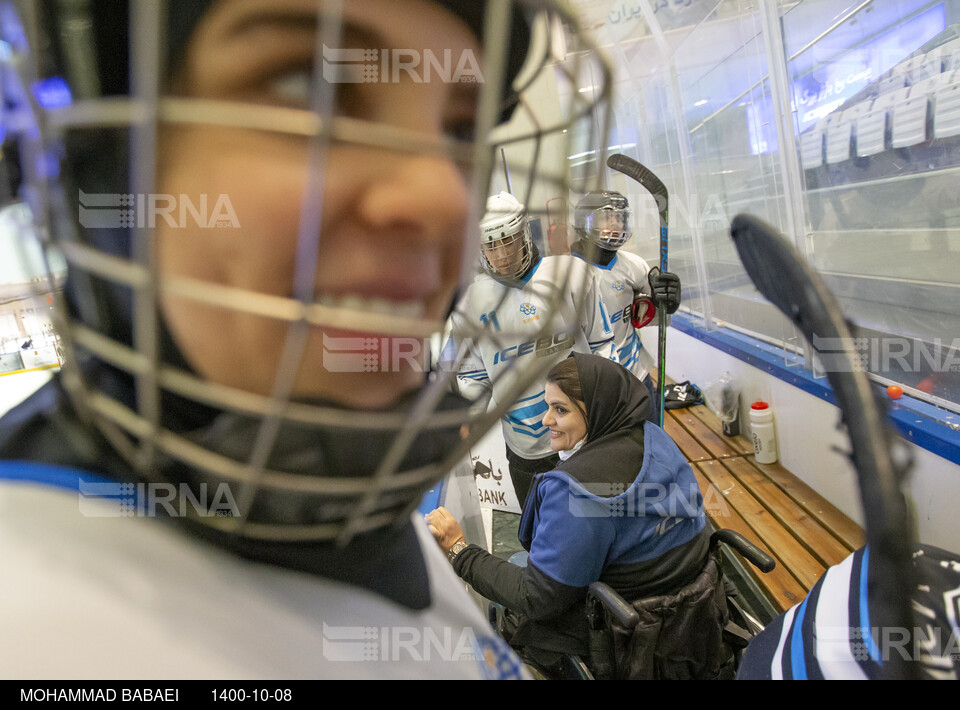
{"x":630,"y":289}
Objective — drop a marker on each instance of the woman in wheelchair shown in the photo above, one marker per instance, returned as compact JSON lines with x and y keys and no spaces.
{"x":622,"y":507}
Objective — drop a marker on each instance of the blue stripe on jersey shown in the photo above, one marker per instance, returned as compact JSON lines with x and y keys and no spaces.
{"x":522,"y":415}
{"x":600,"y":344}
{"x":534,"y":429}
{"x":629,"y":349}
{"x":866,"y":634}
{"x":606,"y":319}
{"x":528,"y":420}
{"x":798,"y":666}
{"x":609,"y":266}
{"x":809,"y":634}
{"x":539,"y":395}
{"x":58,"y":476}
{"x":530,"y":433}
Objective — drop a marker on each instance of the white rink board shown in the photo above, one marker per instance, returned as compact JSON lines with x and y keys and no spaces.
{"x":488,"y":460}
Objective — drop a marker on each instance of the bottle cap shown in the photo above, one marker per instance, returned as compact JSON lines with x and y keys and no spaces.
{"x":759,"y":405}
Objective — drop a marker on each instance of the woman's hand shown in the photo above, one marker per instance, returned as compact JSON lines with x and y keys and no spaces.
{"x":445,"y":528}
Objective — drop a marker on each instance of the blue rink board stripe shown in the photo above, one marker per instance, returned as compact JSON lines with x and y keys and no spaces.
{"x":919,"y":422}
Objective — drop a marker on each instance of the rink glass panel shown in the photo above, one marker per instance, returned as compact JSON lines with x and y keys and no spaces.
{"x":860,"y":169}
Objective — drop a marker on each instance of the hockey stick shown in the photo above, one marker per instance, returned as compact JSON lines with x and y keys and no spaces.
{"x":785,"y":279}
{"x":654,"y":185}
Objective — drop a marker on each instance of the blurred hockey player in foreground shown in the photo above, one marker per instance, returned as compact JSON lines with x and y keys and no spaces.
{"x":264,"y":208}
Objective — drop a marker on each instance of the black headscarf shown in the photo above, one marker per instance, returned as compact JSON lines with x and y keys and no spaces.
{"x":617,"y":405}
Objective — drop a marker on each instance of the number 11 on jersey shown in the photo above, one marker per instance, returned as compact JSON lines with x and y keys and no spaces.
{"x":490,"y":319}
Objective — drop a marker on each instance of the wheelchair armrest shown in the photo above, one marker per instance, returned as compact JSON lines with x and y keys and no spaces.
{"x":757,"y":557}
{"x":603,"y":595}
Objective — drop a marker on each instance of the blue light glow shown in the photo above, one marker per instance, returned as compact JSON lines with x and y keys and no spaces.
{"x":827,"y":86}
{"x":52,"y":93}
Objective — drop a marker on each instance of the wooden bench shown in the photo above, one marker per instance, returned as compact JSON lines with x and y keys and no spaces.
{"x":767,"y":504}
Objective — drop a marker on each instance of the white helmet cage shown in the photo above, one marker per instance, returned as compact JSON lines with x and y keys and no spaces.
{"x":506,"y":247}
{"x":603,"y":217}
{"x":300,"y":468}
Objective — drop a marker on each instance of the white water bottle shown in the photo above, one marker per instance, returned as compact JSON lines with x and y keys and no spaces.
{"x":763,"y":432}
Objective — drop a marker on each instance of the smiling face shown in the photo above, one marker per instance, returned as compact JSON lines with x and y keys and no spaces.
{"x":382,"y":228}
{"x":565,"y":419}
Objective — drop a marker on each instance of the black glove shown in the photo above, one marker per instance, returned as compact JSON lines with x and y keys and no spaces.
{"x":665,"y":287}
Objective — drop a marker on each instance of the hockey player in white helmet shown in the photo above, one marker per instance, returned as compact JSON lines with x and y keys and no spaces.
{"x":630,"y":289}
{"x":506,"y":248}
{"x":264,"y":226}
{"x":513,"y":301}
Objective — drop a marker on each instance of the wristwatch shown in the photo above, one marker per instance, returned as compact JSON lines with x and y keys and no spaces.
{"x":456,"y":550}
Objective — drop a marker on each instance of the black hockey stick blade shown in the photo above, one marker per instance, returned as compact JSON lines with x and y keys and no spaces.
{"x":786,"y":280}
{"x":646,"y":177}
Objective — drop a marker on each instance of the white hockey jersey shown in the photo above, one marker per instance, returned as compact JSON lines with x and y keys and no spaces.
{"x":512,"y":321}
{"x":89,"y":593}
{"x":620,"y":283}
